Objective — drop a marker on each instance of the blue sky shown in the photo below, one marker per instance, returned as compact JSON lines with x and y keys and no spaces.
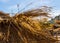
{"x":11,"y":5}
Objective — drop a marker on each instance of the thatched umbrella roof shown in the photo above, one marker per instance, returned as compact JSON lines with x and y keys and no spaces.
{"x":23,"y":30}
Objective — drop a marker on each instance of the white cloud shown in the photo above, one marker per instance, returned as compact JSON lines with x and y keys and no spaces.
{"x":4,"y":0}
{"x":55,"y":13}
